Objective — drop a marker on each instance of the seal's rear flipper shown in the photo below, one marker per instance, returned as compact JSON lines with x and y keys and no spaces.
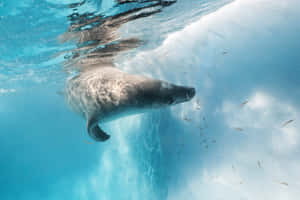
{"x":96,"y":132}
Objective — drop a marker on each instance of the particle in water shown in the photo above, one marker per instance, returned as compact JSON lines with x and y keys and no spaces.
{"x":244,"y":103}
{"x":239,"y":129}
{"x":224,"y":52}
{"x":259,"y":164}
{"x":185,"y":118}
{"x":287,"y":122}
{"x":284,"y":183}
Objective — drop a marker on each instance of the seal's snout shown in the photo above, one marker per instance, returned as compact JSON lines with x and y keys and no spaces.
{"x":183,"y":94}
{"x":191,"y":93}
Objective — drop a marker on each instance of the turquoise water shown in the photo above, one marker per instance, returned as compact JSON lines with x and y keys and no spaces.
{"x":237,"y":139}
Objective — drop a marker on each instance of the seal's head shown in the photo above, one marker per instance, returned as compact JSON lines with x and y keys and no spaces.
{"x":159,"y":94}
{"x":171,"y":94}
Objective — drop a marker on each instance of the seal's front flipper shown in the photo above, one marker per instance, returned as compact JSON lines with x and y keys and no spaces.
{"x":96,"y":132}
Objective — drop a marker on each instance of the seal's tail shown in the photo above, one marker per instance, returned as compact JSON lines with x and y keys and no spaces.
{"x":97,"y":133}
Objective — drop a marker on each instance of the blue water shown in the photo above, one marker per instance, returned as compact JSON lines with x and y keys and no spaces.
{"x":237,"y":139}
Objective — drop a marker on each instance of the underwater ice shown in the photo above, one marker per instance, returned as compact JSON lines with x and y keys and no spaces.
{"x":238,"y":139}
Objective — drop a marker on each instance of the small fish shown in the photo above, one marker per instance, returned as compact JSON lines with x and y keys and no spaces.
{"x":244,"y":103}
{"x":213,"y":141}
{"x":259,"y":164}
{"x":88,"y":142}
{"x":238,"y":129}
{"x":287,"y":122}
{"x":284,"y":183}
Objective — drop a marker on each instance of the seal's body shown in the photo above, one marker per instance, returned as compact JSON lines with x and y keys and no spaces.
{"x":108,"y":93}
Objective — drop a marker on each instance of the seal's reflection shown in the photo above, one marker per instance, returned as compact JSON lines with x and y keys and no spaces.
{"x":96,"y":36}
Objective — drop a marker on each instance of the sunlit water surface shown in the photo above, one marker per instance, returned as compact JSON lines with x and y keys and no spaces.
{"x":238,"y":139}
